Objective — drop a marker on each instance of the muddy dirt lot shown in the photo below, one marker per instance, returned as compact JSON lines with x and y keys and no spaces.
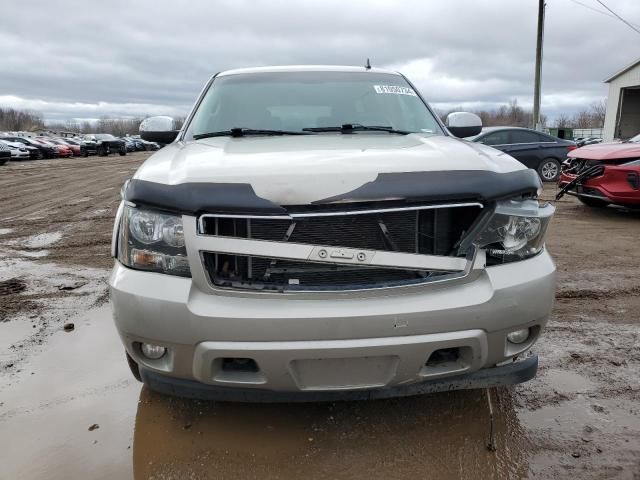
{"x":70,"y":409}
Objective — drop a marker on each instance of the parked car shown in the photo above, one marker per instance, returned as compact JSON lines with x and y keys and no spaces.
{"x":107,"y":143}
{"x":297,"y":241}
{"x":56,"y":148}
{"x":75,"y":149}
{"x":150,"y":146}
{"x":581,"y":142}
{"x":129,"y":143}
{"x":34,"y":152}
{"x":46,"y":151}
{"x":5,"y":153}
{"x":603,"y":174}
{"x":18,"y":150}
{"x":533,"y":149}
{"x":76,"y":146}
{"x":64,"y":151}
{"x":139,"y":144}
{"x":91,"y":147}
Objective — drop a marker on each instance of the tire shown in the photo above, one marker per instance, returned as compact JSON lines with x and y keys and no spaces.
{"x":123,"y":152}
{"x":593,"y":202}
{"x":133,"y":366}
{"x":3,"y":161}
{"x":549,"y":170}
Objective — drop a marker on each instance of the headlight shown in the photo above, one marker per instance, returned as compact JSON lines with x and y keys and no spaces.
{"x":152,"y":241}
{"x":516,"y":231}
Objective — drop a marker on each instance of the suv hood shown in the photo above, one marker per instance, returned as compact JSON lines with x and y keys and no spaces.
{"x":296,"y":170}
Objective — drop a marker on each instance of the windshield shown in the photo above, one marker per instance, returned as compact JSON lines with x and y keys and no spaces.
{"x":635,"y":139}
{"x":293,"y":101}
{"x":104,"y":136}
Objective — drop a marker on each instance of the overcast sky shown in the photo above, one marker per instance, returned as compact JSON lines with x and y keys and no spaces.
{"x":73,"y":60}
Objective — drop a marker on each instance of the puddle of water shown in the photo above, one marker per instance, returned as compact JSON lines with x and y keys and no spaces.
{"x":81,"y":378}
{"x":444,"y":434}
{"x":10,"y":333}
{"x":42,"y":240}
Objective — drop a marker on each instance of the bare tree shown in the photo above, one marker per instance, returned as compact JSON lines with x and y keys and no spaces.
{"x":510,"y":114}
{"x":563,"y":121}
{"x":598,"y":112}
{"x":11,"y":119}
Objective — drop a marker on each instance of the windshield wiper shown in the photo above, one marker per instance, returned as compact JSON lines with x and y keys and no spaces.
{"x":356,"y":127}
{"x":241,"y":132}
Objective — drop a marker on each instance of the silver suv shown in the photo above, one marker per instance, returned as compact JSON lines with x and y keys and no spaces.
{"x":317,"y":233}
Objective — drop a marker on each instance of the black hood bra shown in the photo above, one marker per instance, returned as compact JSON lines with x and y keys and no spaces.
{"x":409,"y":187}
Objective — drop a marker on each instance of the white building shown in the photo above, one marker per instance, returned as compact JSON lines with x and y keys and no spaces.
{"x":622,"y":119}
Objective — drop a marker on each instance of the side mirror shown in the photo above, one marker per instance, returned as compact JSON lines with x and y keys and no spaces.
{"x":159,"y":129}
{"x":464,"y":124}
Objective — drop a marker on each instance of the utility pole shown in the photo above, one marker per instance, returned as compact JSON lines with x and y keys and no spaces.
{"x":536,"y":90}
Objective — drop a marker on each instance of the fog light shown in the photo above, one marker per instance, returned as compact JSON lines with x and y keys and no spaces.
{"x":518,"y":336}
{"x":153,"y":352}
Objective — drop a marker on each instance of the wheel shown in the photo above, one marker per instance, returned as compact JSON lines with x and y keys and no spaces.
{"x":133,"y":366}
{"x":40,"y":155}
{"x":123,"y":152}
{"x":549,"y":170}
{"x":85,"y":154}
{"x":593,"y":202}
{"x":3,"y":161}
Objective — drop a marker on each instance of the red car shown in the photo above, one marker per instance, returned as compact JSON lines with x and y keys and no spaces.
{"x":63,"y":149}
{"x":75,"y":149}
{"x":603,"y":174}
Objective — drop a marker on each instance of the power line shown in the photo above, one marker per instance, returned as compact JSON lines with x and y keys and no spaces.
{"x":629,"y":24}
{"x":597,"y":10}
{"x":592,"y":8}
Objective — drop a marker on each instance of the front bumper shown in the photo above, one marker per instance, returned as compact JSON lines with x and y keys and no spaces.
{"x":617,"y":184}
{"x":343,"y":343}
{"x":510,"y":374}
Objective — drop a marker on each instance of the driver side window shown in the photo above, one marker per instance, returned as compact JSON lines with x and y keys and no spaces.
{"x":496,"y":138}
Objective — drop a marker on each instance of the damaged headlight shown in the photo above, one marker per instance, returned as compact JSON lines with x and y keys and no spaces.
{"x":152,"y":241}
{"x":516,"y":231}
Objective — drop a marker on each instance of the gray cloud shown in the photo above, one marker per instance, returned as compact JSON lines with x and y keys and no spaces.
{"x":73,"y":60}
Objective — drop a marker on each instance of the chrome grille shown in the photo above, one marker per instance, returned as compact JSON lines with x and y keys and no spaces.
{"x":434,"y":231}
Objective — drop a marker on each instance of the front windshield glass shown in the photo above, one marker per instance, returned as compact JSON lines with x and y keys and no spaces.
{"x":295,"y":100}
{"x":104,"y":136}
{"x":635,"y":139}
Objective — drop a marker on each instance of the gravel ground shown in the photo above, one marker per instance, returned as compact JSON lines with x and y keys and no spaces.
{"x":69,"y":408}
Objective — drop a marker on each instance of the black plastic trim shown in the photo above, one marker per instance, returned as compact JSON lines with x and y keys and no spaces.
{"x":513,"y":373}
{"x":195,"y":198}
{"x":410,"y":187}
{"x":459,"y":185}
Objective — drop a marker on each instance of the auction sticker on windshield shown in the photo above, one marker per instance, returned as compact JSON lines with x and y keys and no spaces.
{"x":395,"y":90}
